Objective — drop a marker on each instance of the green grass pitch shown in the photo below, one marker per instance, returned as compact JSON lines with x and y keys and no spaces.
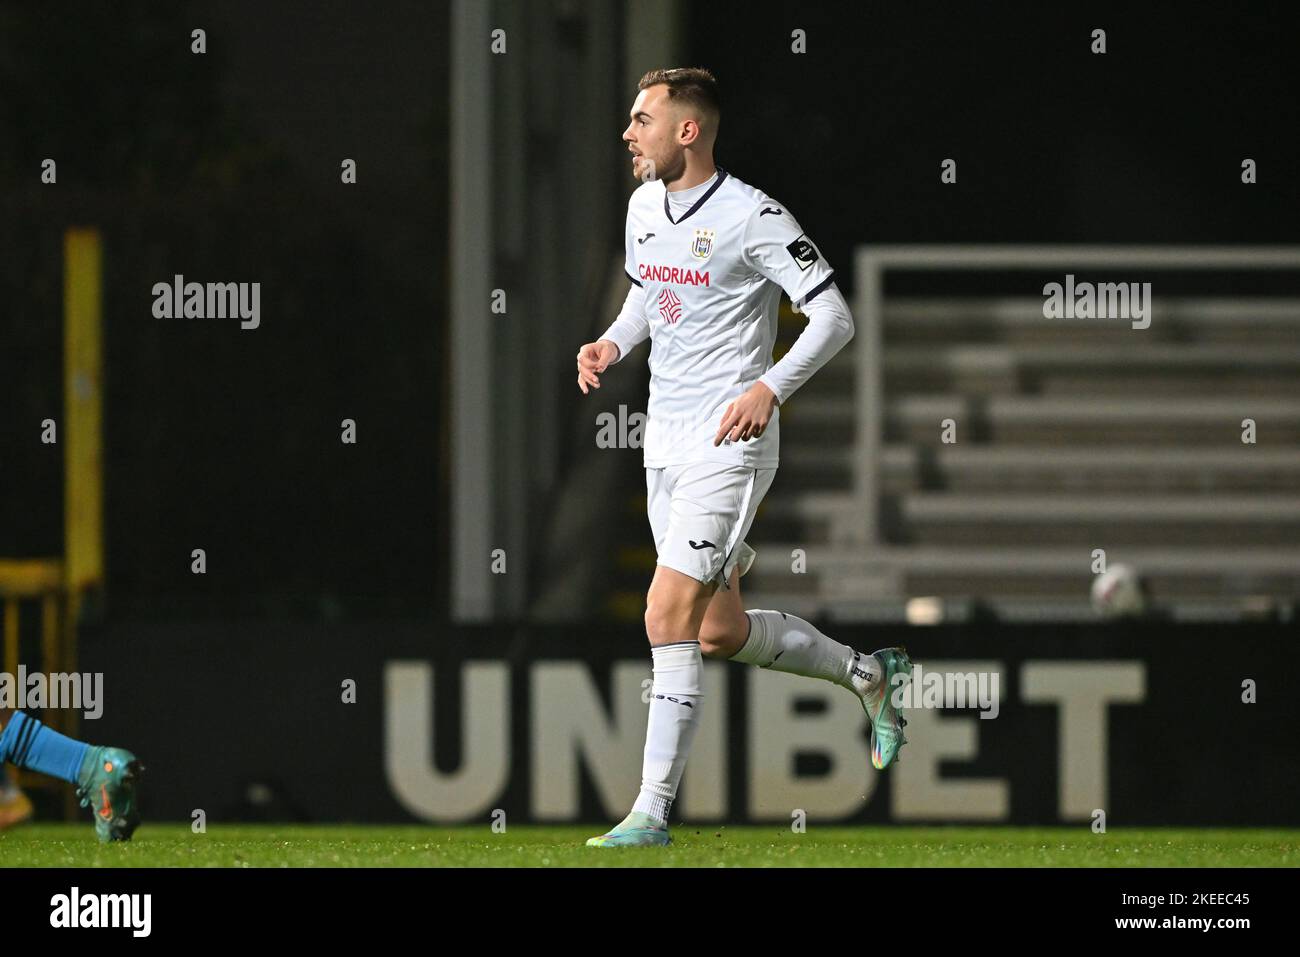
{"x":174,"y":845}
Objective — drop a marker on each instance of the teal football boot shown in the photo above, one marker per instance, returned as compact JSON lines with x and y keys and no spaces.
{"x":107,"y":785}
{"x":887,"y":721}
{"x":635,"y":830}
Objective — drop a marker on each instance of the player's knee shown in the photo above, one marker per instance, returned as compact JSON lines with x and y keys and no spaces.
{"x":723,"y":638}
{"x":666,"y":620}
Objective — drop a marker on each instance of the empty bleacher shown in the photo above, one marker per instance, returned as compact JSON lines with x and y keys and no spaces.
{"x":1070,"y":436}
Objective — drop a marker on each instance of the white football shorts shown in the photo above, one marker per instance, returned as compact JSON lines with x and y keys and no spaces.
{"x":700,"y":513}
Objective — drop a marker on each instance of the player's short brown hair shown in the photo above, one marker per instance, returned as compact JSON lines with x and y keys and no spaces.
{"x":689,"y":84}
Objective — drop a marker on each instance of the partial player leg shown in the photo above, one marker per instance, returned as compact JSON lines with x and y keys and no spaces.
{"x":15,"y":806}
{"x":783,"y":642}
{"x":106,"y":778}
{"x":675,"y":607}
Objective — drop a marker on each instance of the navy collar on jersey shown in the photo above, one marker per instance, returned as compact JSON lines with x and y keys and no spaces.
{"x":722,"y":174}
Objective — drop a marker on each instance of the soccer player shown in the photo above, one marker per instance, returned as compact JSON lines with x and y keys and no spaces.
{"x":708,"y":256}
{"x":106,"y":778}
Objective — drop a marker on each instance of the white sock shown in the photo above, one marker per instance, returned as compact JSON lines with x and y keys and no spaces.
{"x":786,"y":643}
{"x":674,"y":715}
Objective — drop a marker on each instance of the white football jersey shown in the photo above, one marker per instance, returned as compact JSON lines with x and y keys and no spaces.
{"x":713,"y":276}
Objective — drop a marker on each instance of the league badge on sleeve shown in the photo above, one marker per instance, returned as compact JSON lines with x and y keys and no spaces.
{"x":803,"y":252}
{"x":702,"y":248}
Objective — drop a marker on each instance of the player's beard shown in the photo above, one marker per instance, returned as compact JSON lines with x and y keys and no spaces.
{"x":667,"y":171}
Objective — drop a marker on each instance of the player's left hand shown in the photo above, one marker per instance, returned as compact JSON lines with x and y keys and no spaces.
{"x":747,"y":417}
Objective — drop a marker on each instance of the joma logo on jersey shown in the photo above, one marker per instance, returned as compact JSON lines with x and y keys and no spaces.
{"x":674,"y":275}
{"x":702,"y":248}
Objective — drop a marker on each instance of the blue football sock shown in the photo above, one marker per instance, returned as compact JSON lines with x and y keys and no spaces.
{"x":29,"y":744}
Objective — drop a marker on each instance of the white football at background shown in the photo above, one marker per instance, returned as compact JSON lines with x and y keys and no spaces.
{"x":1116,"y":592}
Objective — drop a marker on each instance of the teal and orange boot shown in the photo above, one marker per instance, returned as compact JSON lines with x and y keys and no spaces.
{"x":635,"y":830}
{"x":107,"y":785}
{"x":887,"y":721}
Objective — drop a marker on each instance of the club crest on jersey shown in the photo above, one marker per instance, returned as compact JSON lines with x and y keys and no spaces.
{"x":670,"y":306}
{"x":702,"y":248}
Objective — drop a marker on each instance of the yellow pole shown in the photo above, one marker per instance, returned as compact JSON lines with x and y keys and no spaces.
{"x":50,"y":660}
{"x":12,"y":643}
{"x":83,"y":503}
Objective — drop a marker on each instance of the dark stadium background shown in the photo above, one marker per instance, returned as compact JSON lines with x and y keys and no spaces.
{"x":224,"y":167}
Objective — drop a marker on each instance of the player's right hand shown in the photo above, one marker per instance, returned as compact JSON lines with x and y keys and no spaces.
{"x":593,"y":358}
